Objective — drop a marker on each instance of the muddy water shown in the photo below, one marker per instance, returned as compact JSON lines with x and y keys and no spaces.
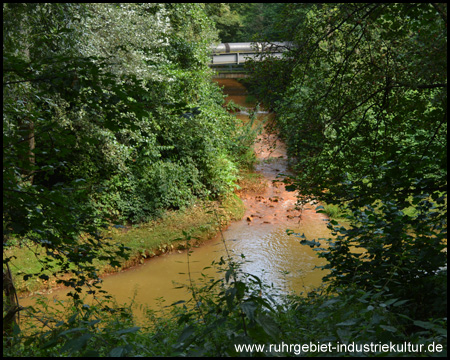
{"x":270,"y":253}
{"x":261,"y":235}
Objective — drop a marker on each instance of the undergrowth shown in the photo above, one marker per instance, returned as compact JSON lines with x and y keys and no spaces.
{"x":229,"y":311}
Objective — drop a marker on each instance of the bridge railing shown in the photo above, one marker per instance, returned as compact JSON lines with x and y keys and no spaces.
{"x":238,"y":53}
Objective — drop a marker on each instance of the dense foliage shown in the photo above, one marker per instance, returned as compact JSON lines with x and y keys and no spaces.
{"x":245,"y":22}
{"x":362,"y":104}
{"x":235,"y":315}
{"x":109,"y":115}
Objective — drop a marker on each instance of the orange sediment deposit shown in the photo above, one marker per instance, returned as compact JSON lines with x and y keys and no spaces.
{"x":275,"y":205}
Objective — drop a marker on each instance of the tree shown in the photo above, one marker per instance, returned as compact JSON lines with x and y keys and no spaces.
{"x":364,"y":114}
{"x":125,"y":123}
{"x":227,"y":21}
{"x":46,"y":209}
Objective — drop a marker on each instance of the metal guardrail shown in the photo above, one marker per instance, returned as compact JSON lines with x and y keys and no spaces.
{"x":237,"y":58}
{"x":238,"y":53}
{"x":251,"y":47}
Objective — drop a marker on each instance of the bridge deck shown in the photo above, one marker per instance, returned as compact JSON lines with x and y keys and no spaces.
{"x":238,"y":53}
{"x":237,"y":58}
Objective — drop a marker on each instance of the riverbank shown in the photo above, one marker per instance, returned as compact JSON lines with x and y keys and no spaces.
{"x":201,"y":221}
{"x":145,"y":241}
{"x":266,"y":208}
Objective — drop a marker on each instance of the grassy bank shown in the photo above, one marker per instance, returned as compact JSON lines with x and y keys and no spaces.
{"x":201,"y":221}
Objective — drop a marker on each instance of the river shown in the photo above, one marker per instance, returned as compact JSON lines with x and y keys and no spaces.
{"x":269,"y":252}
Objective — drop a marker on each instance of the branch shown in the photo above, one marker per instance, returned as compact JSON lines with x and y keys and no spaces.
{"x":328,"y":33}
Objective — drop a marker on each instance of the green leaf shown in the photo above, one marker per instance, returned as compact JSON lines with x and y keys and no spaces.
{"x":77,"y":329}
{"x":127,"y":331}
{"x":310,"y":243}
{"x":178,"y":302}
{"x":269,"y":325}
{"x":388,"y":328}
{"x":349,"y":322}
{"x":188,"y":331}
{"x":424,"y":324}
{"x":249,"y":308}
{"x":389,"y":302}
{"x":117,"y":352}
{"x":77,"y":344}
{"x":401,"y":302}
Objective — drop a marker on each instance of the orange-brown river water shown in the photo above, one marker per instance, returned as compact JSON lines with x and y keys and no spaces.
{"x":272,"y":255}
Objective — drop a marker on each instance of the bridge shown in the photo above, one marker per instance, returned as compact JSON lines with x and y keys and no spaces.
{"x":227,"y":58}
